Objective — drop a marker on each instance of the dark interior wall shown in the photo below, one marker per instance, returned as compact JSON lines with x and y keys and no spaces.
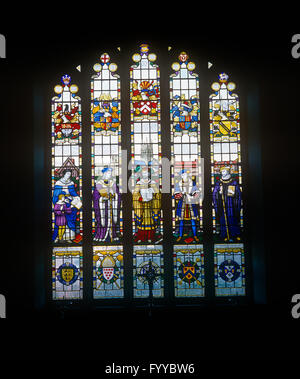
{"x":261,"y":56}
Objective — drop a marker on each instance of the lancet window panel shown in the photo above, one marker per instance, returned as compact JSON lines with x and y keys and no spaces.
{"x":106,"y":152}
{"x":226,"y":172}
{"x":146,"y":147}
{"x":108,"y":272}
{"x":187,"y":218}
{"x":67,"y":223}
{"x":226,"y":180}
{"x":66,"y":164}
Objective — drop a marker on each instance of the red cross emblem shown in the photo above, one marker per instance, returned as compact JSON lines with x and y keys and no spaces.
{"x":105,"y":58}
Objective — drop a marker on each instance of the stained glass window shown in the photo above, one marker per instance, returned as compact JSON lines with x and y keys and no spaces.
{"x":146,"y":147}
{"x":106,"y":180}
{"x":66,"y":190}
{"x":226,"y":179}
{"x":145,"y":261}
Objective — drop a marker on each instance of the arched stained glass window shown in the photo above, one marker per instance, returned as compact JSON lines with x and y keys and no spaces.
{"x":226,"y":179}
{"x":146,"y":169}
{"x":186,"y":178}
{"x":66,"y":192}
{"x":106,"y":180}
{"x":180,"y":259}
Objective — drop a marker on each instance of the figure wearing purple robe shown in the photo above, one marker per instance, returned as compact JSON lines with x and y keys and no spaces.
{"x":60,"y":211}
{"x":107,"y":202}
{"x":227,"y":201}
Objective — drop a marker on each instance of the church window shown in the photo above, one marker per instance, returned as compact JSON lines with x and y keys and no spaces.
{"x":175,"y":258}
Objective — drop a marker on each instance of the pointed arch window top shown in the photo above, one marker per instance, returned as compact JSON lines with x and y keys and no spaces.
{"x":184,"y":63}
{"x":224,"y":85}
{"x":105,"y":64}
{"x":66,"y":86}
{"x":144,"y":55}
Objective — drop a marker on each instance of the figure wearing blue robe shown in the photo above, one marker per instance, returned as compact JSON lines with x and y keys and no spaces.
{"x":66,"y":187}
{"x":227,"y":201}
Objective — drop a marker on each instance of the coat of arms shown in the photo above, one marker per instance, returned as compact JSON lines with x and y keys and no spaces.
{"x":144,"y":96}
{"x":108,"y":271}
{"x":229,"y":270}
{"x":67,"y":273}
{"x":189,"y":272}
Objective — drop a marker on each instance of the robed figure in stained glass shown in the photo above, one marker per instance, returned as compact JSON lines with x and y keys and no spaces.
{"x":107,"y":202}
{"x":147,"y":205}
{"x":227,"y":201}
{"x":66,"y":205}
{"x":187,"y":194}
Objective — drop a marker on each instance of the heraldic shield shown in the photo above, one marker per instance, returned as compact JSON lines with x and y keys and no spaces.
{"x":108,"y":272}
{"x":229,"y":270}
{"x":189,"y":272}
{"x":67,"y":273}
